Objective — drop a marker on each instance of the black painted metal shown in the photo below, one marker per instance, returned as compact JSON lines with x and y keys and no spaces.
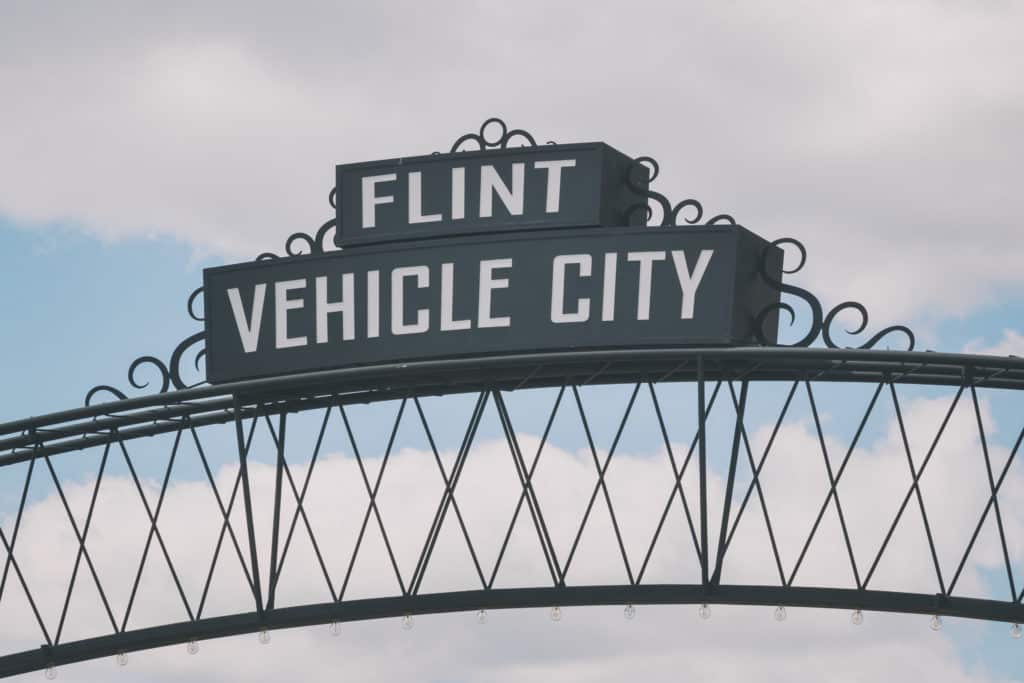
{"x":184,"y":412}
{"x":820,"y":323}
{"x":182,"y":408}
{"x":638,"y":175}
{"x":510,"y":598}
{"x":144,"y":416}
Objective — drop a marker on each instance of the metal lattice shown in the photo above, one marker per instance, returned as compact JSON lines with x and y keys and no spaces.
{"x":262,"y":455}
{"x":709,"y":393}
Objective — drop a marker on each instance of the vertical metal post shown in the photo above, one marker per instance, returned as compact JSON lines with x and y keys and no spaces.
{"x":243,"y":456}
{"x":702,"y":459}
{"x":737,"y":434}
{"x":274,"y":569}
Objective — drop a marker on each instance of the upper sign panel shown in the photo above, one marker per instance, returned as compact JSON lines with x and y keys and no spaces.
{"x":526,"y":188}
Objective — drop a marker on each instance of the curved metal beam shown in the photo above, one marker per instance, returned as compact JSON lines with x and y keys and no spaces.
{"x":899,"y":363}
{"x":127,"y":419}
{"x":95,"y":425}
{"x":511,"y":598}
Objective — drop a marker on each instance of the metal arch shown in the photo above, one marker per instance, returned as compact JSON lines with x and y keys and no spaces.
{"x":728,"y":371}
{"x":774,"y":362}
{"x":183,"y":409}
{"x":503,"y":598}
{"x":80,"y":428}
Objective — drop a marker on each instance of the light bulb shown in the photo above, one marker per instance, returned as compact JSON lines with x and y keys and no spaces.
{"x":51,"y":672}
{"x":704,"y":612}
{"x":629,"y":612}
{"x":481,"y":617}
{"x":407,"y":622}
{"x":936,"y":623}
{"x":780,"y":613}
{"x":1015,"y":631}
{"x":857,"y":618}
{"x":264,"y":636}
{"x":556,"y":613}
{"x":192,"y":647}
{"x":122,"y":659}
{"x":335,"y":628}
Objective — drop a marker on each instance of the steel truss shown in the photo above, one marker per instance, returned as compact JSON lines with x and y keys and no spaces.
{"x":724,"y":376}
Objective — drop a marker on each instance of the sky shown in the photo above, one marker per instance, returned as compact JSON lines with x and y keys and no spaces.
{"x":142,"y":143}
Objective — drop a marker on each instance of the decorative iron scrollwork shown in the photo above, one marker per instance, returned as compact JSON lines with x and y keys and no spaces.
{"x":169,"y":373}
{"x":192,"y":302}
{"x":301,"y":244}
{"x":494,"y":133}
{"x":670,"y":213}
{"x":502,"y":141}
{"x":821,"y":323}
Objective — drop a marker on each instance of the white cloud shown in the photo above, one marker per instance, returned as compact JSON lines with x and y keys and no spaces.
{"x":662,"y":643}
{"x":1011,"y":344}
{"x":883,"y":135}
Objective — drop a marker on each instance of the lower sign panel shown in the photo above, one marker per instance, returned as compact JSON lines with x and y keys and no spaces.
{"x":596,"y":289}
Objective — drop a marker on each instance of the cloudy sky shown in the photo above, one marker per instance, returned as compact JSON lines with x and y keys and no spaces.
{"x":139,"y":144}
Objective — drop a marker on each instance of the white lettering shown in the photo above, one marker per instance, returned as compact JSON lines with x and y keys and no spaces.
{"x":325,"y":308}
{"x":372,"y":304}
{"x":491,"y":183}
{"x":689,"y":281}
{"x":488,"y":283}
{"x":398,"y":277}
{"x":458,"y":193}
{"x":416,"y":201}
{"x":646,"y":260}
{"x":611,"y":260}
{"x":558,"y":266}
{"x":371,"y":200}
{"x":282,"y":304}
{"x":448,"y":321}
{"x":554,"y":171}
{"x":248,"y":330}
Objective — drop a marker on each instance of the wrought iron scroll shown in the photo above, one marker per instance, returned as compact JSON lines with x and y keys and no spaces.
{"x":169,"y":374}
{"x":300,"y":243}
{"x":821,"y":324}
{"x":690,"y":211}
{"x":483,"y":142}
{"x":494,"y":133}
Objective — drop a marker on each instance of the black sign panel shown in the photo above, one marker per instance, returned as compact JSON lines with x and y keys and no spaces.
{"x":550,"y":186}
{"x":590,"y":289}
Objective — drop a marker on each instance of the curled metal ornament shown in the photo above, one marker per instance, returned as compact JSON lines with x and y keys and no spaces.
{"x":168,"y":375}
{"x":504,"y":136}
{"x":821,"y":323}
{"x":302,"y":244}
{"x":690,"y":211}
{"x":494,"y":133}
{"x":861,"y":326}
{"x":191,"y":303}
